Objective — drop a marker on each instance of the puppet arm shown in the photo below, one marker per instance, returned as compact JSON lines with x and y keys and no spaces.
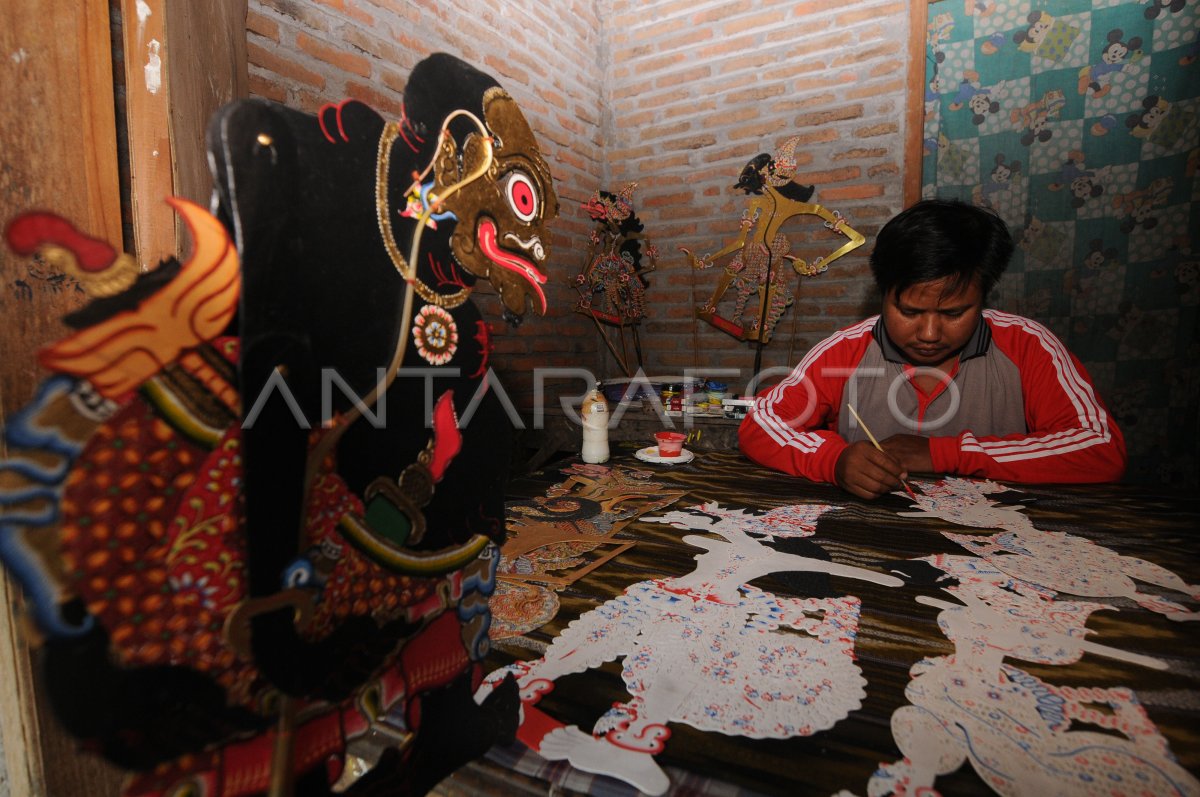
{"x":837,"y":223}
{"x":749,"y":219}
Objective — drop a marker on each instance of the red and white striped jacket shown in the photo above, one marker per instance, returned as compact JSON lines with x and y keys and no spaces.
{"x":1018,"y":407}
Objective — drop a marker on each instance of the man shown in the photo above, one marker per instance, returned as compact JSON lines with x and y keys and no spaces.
{"x":945,"y":385}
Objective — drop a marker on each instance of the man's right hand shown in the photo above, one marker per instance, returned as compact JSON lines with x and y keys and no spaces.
{"x":867,"y":472}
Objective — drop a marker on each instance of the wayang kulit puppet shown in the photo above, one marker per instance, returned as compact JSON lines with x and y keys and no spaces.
{"x":612,"y":286}
{"x":761,"y":249}
{"x":256,"y":540}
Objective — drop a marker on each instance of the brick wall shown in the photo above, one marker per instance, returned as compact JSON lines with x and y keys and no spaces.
{"x":674,"y":94}
{"x":698,"y":87}
{"x":308,"y":52}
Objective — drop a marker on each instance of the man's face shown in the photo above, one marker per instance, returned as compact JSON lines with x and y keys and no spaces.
{"x":929,"y":325}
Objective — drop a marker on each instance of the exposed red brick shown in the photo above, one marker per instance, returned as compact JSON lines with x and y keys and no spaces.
{"x":754,"y":21}
{"x":689,"y":142}
{"x":687,"y":76}
{"x":860,"y":153}
{"x":743,"y":113}
{"x":865,"y":191}
{"x":763,"y":129}
{"x":262,"y":25}
{"x":725,"y":46}
{"x":831,"y":115}
{"x":689,"y":38}
{"x":866,"y":55}
{"x":309,"y":15}
{"x":720,"y":12}
{"x":507,"y":68}
{"x":883,"y":129}
{"x":392,"y":80}
{"x":360,"y":15}
{"x":387,"y":104}
{"x":804,"y":9}
{"x":334,"y":56}
{"x":259,"y":56}
{"x":667,"y":199}
{"x":890,"y":88}
{"x":268,"y":89}
{"x":695,"y":88}
{"x":872,"y":212}
{"x":849,"y":18}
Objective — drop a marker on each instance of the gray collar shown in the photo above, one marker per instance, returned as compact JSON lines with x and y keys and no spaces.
{"x":977,"y":346}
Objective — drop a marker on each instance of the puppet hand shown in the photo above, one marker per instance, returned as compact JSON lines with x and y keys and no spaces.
{"x":911,"y":451}
{"x":867,"y":472}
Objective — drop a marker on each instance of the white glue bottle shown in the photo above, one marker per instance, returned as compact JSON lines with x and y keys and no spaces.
{"x":595,"y":428}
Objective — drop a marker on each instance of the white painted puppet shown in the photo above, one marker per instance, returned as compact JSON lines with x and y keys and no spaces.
{"x":705,"y":649}
{"x":1014,"y":728}
{"x":1055,"y":560}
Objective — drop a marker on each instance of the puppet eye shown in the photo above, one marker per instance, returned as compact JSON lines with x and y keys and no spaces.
{"x":522,"y":196}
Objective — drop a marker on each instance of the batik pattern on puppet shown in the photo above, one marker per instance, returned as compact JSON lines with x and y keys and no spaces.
{"x":706,"y":649}
{"x":1015,"y":728}
{"x":195,"y":512}
{"x":560,"y":532}
{"x":761,"y":250}
{"x":612,"y":286}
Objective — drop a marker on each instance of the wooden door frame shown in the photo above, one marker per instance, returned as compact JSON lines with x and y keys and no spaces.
{"x":61,"y":130}
{"x":60,"y":133}
{"x":914,"y":100}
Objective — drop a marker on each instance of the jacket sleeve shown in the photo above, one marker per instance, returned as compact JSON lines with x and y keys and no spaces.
{"x":1070,"y":437}
{"x":792,"y":426}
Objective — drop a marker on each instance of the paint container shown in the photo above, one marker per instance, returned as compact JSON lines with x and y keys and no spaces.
{"x":717,"y":392}
{"x":670,"y":444}
{"x":595,"y":428}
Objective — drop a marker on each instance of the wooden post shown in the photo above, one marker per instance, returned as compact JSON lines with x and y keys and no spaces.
{"x":60,"y":137}
{"x":914,"y":105}
{"x":147,"y":56}
{"x":200,"y":79}
{"x":59,"y":132}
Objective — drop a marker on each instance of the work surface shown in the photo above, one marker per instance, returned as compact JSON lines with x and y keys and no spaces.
{"x":1009,"y":689}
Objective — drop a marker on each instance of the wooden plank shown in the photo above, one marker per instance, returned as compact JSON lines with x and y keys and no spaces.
{"x":19,"y":730}
{"x":201,"y":78}
{"x":914,"y":101}
{"x":60,"y":154}
{"x":147,"y":56}
{"x":59,"y":134}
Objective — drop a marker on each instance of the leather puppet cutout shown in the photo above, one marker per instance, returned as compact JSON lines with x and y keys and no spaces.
{"x":612,"y":287}
{"x":255,"y":539}
{"x":760,"y":252}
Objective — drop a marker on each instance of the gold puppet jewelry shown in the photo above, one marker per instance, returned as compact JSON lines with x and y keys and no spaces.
{"x":448,"y":301}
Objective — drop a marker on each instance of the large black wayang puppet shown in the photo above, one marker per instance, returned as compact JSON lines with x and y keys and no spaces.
{"x":256,"y":510}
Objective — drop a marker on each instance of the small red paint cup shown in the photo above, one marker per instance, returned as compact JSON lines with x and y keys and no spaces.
{"x":670,"y":444}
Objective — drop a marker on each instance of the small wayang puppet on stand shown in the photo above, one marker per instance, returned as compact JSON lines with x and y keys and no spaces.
{"x":761,"y":249}
{"x":612,"y":286}
{"x":259,"y":562}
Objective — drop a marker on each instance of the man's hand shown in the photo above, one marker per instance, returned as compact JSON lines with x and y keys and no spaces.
{"x":911,"y":451}
{"x":867,"y":472}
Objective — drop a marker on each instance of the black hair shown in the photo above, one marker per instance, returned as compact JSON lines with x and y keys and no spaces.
{"x":939,"y":238}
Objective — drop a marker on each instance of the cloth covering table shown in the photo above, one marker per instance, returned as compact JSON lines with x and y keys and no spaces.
{"x":895,"y":630}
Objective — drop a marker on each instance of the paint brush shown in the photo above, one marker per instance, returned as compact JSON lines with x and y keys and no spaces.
{"x":875,"y":443}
